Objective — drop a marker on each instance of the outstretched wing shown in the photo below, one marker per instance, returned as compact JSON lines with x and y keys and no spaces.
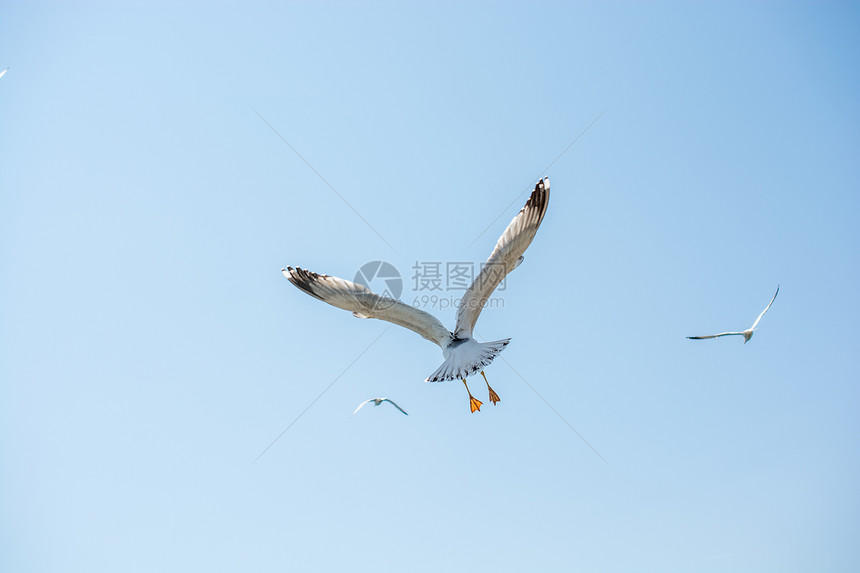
{"x":765,"y":310}
{"x":395,"y":405}
{"x":505,"y":257}
{"x":360,"y":406}
{"x":716,"y":335}
{"x":364,"y":303}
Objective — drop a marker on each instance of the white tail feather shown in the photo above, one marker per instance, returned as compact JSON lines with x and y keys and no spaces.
{"x":467,"y":357}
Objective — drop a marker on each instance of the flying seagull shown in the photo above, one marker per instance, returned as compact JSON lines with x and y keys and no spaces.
{"x":3,"y":73}
{"x":377,"y":402}
{"x":747,"y":334}
{"x":464,"y":356}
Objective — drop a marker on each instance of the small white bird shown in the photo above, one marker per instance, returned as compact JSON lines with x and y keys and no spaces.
{"x":377,"y":402}
{"x":3,"y":73}
{"x":747,"y":334}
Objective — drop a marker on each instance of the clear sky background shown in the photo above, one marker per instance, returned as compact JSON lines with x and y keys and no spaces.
{"x":150,"y":348}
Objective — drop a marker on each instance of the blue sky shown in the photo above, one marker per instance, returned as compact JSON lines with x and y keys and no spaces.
{"x":150,"y":348}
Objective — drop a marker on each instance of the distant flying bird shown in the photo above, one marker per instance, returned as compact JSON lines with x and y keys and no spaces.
{"x":3,"y":73}
{"x":464,"y":356}
{"x":377,"y":402}
{"x":747,"y":334}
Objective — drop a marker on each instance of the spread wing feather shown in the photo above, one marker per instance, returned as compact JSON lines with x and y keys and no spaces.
{"x":364,"y":303}
{"x":505,"y":257}
{"x":360,"y":406}
{"x":395,"y":405}
{"x":716,"y":335}
{"x":766,"y":309}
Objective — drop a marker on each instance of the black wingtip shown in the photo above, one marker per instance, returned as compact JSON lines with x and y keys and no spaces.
{"x":539,"y":199}
{"x":304,"y":280}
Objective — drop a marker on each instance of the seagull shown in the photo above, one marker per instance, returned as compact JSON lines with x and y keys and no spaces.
{"x":747,"y":334}
{"x":3,"y":73}
{"x":463,"y":355}
{"x":377,"y":402}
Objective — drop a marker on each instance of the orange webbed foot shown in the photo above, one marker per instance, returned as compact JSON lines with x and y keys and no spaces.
{"x":493,"y":396}
{"x":474,"y":404}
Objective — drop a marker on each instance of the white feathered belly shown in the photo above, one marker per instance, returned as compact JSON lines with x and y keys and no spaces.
{"x":465,"y":357}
